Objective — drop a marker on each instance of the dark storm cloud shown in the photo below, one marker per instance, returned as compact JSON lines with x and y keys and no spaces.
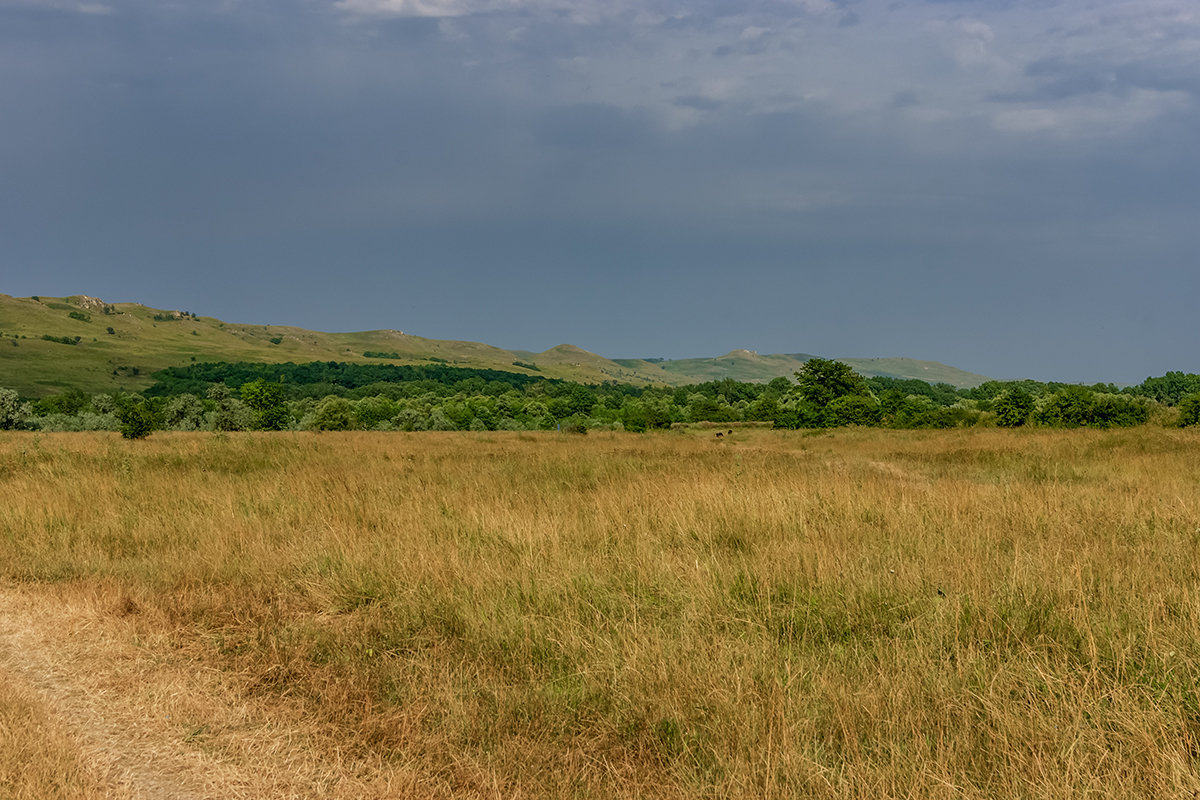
{"x":1060,"y":79}
{"x":594,"y":126}
{"x":698,"y":102}
{"x":1010,"y":188}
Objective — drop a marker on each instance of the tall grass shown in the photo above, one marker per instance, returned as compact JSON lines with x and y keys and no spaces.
{"x":850,"y":614}
{"x":37,"y":760}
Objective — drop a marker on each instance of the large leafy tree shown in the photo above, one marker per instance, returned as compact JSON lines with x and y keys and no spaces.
{"x":1013,"y":407}
{"x":267,"y":401}
{"x":821,"y":381}
{"x":1170,"y":388}
{"x":1189,"y":410}
{"x":852,"y":409}
{"x":333,"y":414}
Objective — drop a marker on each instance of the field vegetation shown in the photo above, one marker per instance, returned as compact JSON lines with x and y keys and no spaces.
{"x":971,"y":613}
{"x":389,"y":397}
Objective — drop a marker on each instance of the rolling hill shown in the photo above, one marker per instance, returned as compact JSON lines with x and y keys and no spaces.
{"x":747,"y":365}
{"x":51,"y":344}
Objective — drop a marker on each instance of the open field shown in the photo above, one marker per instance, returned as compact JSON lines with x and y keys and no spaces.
{"x":863,"y":613}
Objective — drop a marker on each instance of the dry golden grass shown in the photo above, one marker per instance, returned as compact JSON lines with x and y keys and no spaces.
{"x":858,"y":614}
{"x":38,"y":761}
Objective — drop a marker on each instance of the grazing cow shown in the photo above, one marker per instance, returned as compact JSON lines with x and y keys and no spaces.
{"x":718,"y":434}
{"x":731,"y":432}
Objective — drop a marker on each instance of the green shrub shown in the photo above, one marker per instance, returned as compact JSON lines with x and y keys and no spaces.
{"x":1189,"y":410}
{"x":853,"y":410}
{"x":267,"y":401}
{"x":137,"y":420}
{"x":12,"y":412}
{"x":333,"y":414}
{"x":1013,"y":408}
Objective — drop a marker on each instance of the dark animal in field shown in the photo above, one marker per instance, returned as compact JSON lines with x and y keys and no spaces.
{"x":718,"y":434}
{"x":731,"y":433}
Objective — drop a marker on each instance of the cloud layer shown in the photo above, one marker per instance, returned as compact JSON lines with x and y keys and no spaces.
{"x":1009,"y":187}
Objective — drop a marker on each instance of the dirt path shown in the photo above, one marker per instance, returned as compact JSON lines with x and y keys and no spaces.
{"x":151,"y":725}
{"x":82,"y":675}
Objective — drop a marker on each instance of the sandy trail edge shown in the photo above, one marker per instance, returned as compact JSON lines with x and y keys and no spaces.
{"x":153,"y":724}
{"x":72,"y":661}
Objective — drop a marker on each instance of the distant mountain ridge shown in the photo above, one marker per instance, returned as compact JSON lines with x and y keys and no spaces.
{"x":51,"y":344}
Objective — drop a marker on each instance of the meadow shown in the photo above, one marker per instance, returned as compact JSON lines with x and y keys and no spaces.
{"x":972,"y":613}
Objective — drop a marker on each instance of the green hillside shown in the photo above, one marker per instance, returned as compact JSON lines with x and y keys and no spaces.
{"x":931,"y":371}
{"x":51,"y":344}
{"x":146,"y":339}
{"x":746,"y":365}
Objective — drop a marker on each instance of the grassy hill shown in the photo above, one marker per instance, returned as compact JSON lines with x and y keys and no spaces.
{"x":145,"y":339}
{"x":746,"y":365}
{"x":108,"y":347}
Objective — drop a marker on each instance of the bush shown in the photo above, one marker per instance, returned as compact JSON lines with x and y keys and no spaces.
{"x":184,"y":413}
{"x":1119,"y":411}
{"x":84,"y":421}
{"x":137,"y":420}
{"x":1189,"y":410}
{"x":69,"y":402}
{"x":230,"y":413}
{"x":1013,"y":408}
{"x":438,"y":421}
{"x":12,"y":412}
{"x":373,"y":413}
{"x":1069,"y":407}
{"x":408,"y":420}
{"x":853,"y":410}
{"x":333,"y":414}
{"x":266,"y":399}
{"x":1076,"y":406}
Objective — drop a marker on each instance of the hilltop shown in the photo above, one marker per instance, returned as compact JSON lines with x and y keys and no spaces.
{"x":747,"y":365}
{"x":51,"y":344}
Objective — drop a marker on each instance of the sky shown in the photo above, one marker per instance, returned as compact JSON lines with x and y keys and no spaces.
{"x":1007,"y":186}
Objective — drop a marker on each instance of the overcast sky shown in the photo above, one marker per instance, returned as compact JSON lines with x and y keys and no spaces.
{"x":1008,"y":186}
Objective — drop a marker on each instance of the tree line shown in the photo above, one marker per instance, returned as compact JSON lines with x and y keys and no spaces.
{"x":824,"y":394}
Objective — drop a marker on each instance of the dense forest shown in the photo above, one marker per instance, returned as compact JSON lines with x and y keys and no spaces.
{"x":343,"y":396}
